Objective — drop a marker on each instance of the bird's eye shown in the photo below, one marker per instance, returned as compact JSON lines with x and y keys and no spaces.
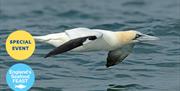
{"x":137,"y":36}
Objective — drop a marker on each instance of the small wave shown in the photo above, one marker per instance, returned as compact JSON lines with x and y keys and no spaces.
{"x":134,"y":13}
{"x":4,"y":86}
{"x":37,"y":12}
{"x":5,"y":89}
{"x":95,"y":78}
{"x":44,"y":65}
{"x":170,"y":29}
{"x":76,"y":14}
{"x":134,"y":3}
{"x":40,"y":77}
{"x":167,"y":64}
{"x":43,"y":46}
{"x":145,"y":75}
{"x":5,"y":32}
{"x":143,"y":70}
{"x":137,"y":62}
{"x":46,"y":89}
{"x":122,"y":76}
{"x":6,"y":17}
{"x":111,"y":26}
{"x":64,"y":27}
{"x":126,"y":87}
{"x":143,"y":49}
{"x":173,"y":52}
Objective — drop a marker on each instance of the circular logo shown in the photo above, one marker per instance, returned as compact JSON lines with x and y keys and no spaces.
{"x":20,"y":45}
{"x":20,"y":77}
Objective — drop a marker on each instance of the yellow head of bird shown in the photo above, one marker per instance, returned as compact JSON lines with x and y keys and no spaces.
{"x":132,"y":36}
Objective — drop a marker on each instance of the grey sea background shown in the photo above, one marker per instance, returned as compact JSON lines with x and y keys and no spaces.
{"x":151,"y":67}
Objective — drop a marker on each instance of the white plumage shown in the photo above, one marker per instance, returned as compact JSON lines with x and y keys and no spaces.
{"x":107,"y":40}
{"x":119,"y":44}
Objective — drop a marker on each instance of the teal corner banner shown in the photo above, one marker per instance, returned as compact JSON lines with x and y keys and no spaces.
{"x":20,"y":77}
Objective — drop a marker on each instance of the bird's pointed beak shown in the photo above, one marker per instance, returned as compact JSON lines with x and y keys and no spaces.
{"x":145,"y":38}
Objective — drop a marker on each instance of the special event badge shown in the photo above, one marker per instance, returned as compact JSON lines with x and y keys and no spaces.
{"x":20,"y":45}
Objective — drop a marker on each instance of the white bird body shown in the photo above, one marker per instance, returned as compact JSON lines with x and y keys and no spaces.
{"x":119,"y":44}
{"x":107,"y":42}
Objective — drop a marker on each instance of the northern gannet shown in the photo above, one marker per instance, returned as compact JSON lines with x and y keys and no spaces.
{"x":119,"y":44}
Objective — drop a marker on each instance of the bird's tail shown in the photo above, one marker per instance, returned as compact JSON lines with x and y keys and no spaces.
{"x":41,"y":38}
{"x":53,"y":39}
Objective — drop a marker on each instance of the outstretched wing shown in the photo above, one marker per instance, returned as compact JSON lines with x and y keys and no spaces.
{"x":82,"y":32}
{"x":79,"y":37}
{"x":118,"y":55}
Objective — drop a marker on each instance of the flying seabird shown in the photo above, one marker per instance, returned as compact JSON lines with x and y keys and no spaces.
{"x":119,"y":44}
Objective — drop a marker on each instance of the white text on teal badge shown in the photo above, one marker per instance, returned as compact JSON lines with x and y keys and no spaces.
{"x":20,"y":77}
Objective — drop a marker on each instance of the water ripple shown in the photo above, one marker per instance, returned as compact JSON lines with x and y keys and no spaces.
{"x":134,"y":3}
{"x":126,"y":87}
{"x":76,"y":14}
{"x":112,"y":26}
{"x":167,"y":64}
{"x":46,"y":89}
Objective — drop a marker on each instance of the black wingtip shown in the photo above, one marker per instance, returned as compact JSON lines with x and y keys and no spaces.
{"x":48,"y":55}
{"x":107,"y":66}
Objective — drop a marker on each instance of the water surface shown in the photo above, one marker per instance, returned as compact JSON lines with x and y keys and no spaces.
{"x":151,"y":67}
